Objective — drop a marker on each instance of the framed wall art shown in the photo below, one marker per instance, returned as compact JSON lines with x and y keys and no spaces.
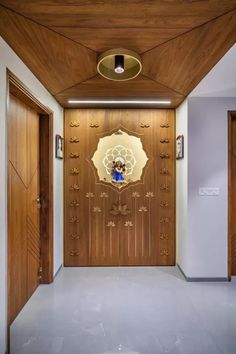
{"x":180,"y":147}
{"x":59,"y":147}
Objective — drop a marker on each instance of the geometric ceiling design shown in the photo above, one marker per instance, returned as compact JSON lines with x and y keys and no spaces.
{"x":179,"y":42}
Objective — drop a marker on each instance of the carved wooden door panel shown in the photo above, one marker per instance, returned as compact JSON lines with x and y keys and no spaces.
{"x":23,"y":208}
{"x":132,"y":225}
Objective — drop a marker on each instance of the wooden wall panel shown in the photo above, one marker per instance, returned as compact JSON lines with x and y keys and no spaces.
{"x":93,"y":236}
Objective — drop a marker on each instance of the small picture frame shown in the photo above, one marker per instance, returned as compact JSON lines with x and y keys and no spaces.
{"x":59,"y":147}
{"x":180,"y":147}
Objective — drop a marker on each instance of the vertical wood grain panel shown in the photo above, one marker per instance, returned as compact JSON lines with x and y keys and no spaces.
{"x":93,"y":236}
{"x":24,"y":215}
{"x":46,"y":194}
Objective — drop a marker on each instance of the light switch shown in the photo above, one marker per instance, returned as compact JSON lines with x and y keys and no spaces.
{"x":209,"y":192}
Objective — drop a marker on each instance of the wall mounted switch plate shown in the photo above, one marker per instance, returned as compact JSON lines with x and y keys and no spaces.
{"x":209,"y":192}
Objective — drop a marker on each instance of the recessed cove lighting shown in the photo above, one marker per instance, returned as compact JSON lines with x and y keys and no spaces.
{"x":115,"y":102}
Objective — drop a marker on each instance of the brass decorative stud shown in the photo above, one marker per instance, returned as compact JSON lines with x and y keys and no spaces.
{"x":119,"y":209}
{"x":94,"y":125}
{"x":128,"y":223}
{"x":75,"y":187}
{"x":74,"y":124}
{"x":164,"y":155}
{"x":97,"y":209}
{"x":164,"y":252}
{"x":135,"y":195}
{"x":104,"y":195}
{"x":164,"y":187}
{"x":74,"y":155}
{"x":74,"y":219}
{"x":164,"y":204}
{"x":164,"y":125}
{"x":111,"y":224}
{"x":143,"y":125}
{"x":143,"y":209}
{"x":74,"y":140}
{"x":89,"y":195}
{"x":164,"y":220}
{"x":164,"y":141}
{"x":74,"y":203}
{"x":149,"y":195}
{"x":75,"y":236}
{"x":164,"y":236}
{"x":74,"y":253}
{"x":164,"y":171}
{"x":74,"y":171}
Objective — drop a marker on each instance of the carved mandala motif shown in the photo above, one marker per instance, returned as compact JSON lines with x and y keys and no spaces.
{"x":121,"y":153}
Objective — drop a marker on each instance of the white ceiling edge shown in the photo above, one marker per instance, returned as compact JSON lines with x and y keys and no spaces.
{"x":221,"y":80}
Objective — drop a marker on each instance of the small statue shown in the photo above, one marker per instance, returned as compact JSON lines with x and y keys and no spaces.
{"x":118,"y":169}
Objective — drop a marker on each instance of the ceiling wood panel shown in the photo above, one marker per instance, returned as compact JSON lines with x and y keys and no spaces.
{"x":98,"y":87}
{"x":183,"y":62}
{"x":179,"y":40}
{"x":102,"y":39}
{"x":57,"y":62}
{"x":121,"y":13}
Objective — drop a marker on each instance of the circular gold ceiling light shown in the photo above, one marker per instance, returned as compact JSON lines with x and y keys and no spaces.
{"x":119,"y":64}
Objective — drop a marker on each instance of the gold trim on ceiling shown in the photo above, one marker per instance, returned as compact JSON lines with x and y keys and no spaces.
{"x":132,"y":64}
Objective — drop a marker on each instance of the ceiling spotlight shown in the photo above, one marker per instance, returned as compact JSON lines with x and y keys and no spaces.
{"x":119,"y":64}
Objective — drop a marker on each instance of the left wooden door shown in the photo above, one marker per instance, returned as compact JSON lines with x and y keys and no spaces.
{"x":23,"y":204}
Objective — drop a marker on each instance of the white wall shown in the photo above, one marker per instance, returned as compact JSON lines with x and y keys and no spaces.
{"x":202,"y":230}
{"x":220,"y":81}
{"x":208,"y":167}
{"x":202,"y":222}
{"x":182,"y":189}
{"x":8,"y":59}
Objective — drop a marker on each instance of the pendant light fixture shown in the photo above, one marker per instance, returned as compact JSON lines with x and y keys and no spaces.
{"x":119,"y":64}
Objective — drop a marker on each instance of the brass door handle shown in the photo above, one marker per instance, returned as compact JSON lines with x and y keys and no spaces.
{"x":38,"y":201}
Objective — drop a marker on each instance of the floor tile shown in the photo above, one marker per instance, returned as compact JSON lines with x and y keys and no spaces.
{"x":130,"y":310}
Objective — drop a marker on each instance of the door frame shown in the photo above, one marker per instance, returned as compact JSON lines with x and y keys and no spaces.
{"x":231,"y":117}
{"x":19,"y":90}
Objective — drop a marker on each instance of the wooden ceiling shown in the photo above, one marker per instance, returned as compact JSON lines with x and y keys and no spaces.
{"x":179,"y":42}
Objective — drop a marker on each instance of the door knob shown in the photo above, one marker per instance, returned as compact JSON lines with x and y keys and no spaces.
{"x":38,"y":201}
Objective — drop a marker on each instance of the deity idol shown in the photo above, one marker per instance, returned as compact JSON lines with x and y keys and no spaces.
{"x":118,"y":169}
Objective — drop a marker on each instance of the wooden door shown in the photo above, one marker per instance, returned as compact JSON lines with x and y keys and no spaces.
{"x":93,"y":234}
{"x":23,"y":204}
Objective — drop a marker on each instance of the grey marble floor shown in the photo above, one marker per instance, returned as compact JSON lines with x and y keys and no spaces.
{"x":137,"y":310}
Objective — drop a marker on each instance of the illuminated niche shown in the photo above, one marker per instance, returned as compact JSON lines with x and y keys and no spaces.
{"x":119,"y":159}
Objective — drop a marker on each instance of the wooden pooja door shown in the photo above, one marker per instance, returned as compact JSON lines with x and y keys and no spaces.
{"x":23,"y":204}
{"x":132,"y":225}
